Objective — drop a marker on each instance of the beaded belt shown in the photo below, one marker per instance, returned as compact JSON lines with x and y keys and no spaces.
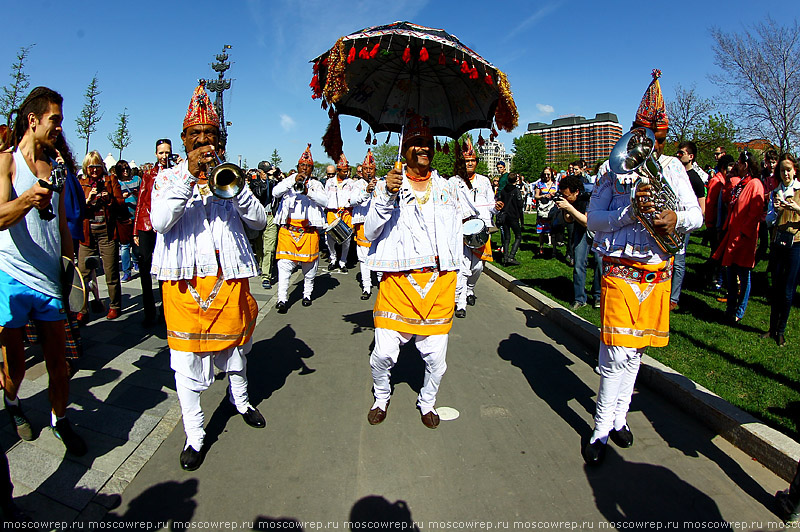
{"x":632,"y":273}
{"x":295,"y":229}
{"x":426,"y":269}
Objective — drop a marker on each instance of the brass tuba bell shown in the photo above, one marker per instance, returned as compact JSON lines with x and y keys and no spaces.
{"x":226,"y":180}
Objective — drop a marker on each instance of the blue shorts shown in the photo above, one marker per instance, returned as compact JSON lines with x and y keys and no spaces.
{"x":20,"y":303}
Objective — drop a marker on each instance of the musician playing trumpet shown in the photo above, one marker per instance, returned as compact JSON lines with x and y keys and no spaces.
{"x":301,"y":216}
{"x":635,"y":285}
{"x":204,"y":259}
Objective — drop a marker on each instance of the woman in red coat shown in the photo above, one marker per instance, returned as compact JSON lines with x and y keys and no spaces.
{"x":737,"y":248}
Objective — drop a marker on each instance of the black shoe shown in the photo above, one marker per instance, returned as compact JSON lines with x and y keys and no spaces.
{"x":471,"y":300}
{"x":74,"y":443}
{"x":461,"y":313}
{"x":594,"y":453}
{"x":281,"y":307}
{"x":266,"y":285}
{"x":622,"y":438}
{"x":20,"y":421}
{"x":332,"y":267}
{"x":254,"y":418}
{"x":191,"y":459}
{"x":365,"y":295}
{"x":343,"y":269}
{"x":306,"y":302}
{"x":512,"y":262}
{"x":780,"y":340}
{"x":596,"y":303}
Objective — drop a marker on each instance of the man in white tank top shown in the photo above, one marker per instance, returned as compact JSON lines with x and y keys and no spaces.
{"x":31,"y":244}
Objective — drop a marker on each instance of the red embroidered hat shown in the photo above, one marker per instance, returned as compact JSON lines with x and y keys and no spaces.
{"x":343,"y":162}
{"x":417,"y":126}
{"x":369,"y":160}
{"x":201,"y":110}
{"x":652,"y":112}
{"x":306,"y":157}
{"x":469,"y":153}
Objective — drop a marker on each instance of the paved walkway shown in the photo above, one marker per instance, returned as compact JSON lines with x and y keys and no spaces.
{"x":522,"y":389}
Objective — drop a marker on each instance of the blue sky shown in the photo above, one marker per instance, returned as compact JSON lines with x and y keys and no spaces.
{"x":561,"y":58}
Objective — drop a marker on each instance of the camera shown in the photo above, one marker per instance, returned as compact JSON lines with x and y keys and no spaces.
{"x":558,"y":196}
{"x":58,"y":176}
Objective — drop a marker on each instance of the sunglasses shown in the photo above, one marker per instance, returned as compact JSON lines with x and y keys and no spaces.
{"x":331,"y":173}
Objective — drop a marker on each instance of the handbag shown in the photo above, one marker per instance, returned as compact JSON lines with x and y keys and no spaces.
{"x":546,"y":209}
{"x":784,"y":239}
{"x":500,"y":218}
{"x":125,"y":231}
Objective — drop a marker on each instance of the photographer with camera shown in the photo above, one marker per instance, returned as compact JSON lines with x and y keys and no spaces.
{"x":31,"y":246}
{"x":572,"y":201}
{"x":264,"y":242}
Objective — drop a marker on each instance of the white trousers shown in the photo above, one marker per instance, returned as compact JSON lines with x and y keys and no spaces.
{"x":471,"y":269}
{"x":194,"y":373}
{"x":285,"y":269}
{"x":433,"y":350}
{"x":366,"y":274}
{"x":331,"y":243}
{"x":618,"y":369}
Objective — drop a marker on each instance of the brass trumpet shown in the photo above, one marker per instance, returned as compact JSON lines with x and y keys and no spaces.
{"x":226,"y":180}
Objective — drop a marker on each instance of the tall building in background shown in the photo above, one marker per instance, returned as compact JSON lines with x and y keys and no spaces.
{"x":589,"y":139}
{"x":493,"y":152}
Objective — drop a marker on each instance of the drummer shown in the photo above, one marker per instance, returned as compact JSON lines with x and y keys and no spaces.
{"x":339,"y":193}
{"x":363,"y":188}
{"x":414,"y":224}
{"x":300,"y":216}
{"x":478,"y":189}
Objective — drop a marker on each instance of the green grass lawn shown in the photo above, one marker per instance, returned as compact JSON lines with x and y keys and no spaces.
{"x":754,"y":374}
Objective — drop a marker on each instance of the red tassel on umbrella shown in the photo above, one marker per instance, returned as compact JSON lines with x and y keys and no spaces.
{"x":324,"y":104}
{"x":423,"y":54}
{"x":446,"y":148}
{"x":316,"y":90}
{"x":481,"y":142}
{"x":374,"y":141}
{"x":488,"y":80}
{"x":473,"y":73}
{"x":332,"y":140}
{"x":464,"y":67}
{"x":316,"y":67}
{"x":368,"y":140}
{"x":364,"y":53}
{"x":351,"y":55}
{"x":331,"y":113}
{"x":358,"y":127}
{"x":442,"y":58}
{"x":375,"y":50}
{"x":438,"y":145}
{"x":407,"y":54}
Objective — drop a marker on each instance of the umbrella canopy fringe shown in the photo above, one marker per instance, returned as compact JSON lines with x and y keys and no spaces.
{"x":335,"y":83}
{"x":506,"y":115}
{"x":332,"y":139}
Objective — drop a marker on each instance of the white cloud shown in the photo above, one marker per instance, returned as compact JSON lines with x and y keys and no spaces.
{"x":287,"y":122}
{"x":538,"y":14}
{"x":544,"y":108}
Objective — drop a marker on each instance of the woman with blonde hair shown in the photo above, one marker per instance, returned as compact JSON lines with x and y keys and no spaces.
{"x":103,"y":202}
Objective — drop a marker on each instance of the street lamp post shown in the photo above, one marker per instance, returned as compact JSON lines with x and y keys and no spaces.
{"x":219,"y":86}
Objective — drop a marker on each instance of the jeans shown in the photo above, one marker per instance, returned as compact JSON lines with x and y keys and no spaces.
{"x":784,"y":283}
{"x":509,"y":227}
{"x":127,"y":258}
{"x":678,"y":271}
{"x":738,"y":290}
{"x":147,"y":243}
{"x":581,"y":256}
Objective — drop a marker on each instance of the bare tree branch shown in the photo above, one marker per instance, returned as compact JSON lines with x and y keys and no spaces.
{"x":686,"y":113}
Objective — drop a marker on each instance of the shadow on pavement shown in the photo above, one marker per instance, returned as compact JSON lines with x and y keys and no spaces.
{"x":362,"y":321}
{"x":627,"y":493}
{"x":376,"y":510}
{"x":169,"y":502}
{"x":550,"y":377}
{"x":410,"y":368}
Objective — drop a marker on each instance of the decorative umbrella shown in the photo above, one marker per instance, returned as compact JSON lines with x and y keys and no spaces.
{"x":380,"y":74}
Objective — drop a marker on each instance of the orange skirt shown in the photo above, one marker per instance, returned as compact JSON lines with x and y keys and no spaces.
{"x":344,"y":214}
{"x":299,"y":243}
{"x":484,"y":253}
{"x":635,"y":303}
{"x":361,"y":240}
{"x":208,"y":313}
{"x":416,"y":303}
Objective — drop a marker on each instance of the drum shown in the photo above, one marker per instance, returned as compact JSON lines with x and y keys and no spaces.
{"x":476,"y":233}
{"x":73,"y":290}
{"x":339,"y":230}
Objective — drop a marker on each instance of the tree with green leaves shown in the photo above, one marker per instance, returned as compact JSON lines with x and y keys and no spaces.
{"x":121,"y":138}
{"x":13,"y":94}
{"x":444,"y":163}
{"x":275,"y":159}
{"x":385,"y":156}
{"x":530,"y":156}
{"x":90,"y":114}
{"x":562,"y":160}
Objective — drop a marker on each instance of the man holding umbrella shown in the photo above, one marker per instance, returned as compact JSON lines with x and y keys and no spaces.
{"x":415,"y":226}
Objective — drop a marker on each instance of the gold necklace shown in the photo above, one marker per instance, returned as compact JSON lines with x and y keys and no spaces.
{"x":425,"y":197}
